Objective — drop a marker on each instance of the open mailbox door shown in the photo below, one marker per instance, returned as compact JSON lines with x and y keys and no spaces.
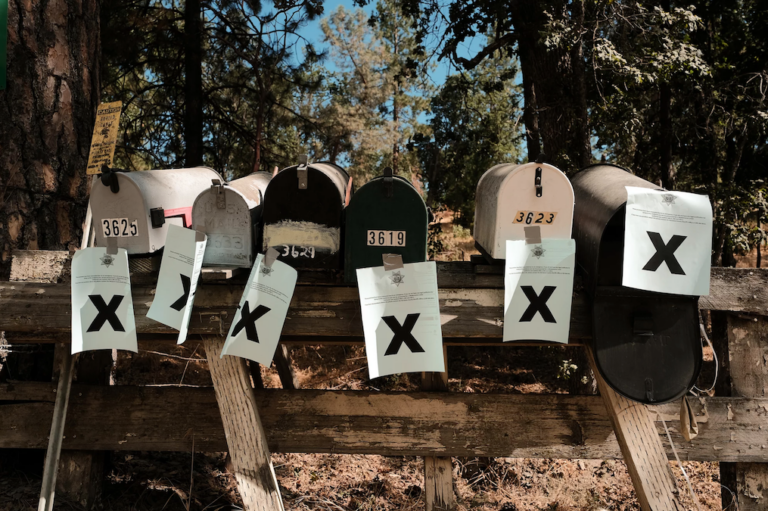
{"x":647,"y":345}
{"x":230,"y":214}
{"x":512,"y":197}
{"x":136,"y":208}
{"x":387,"y":215}
{"x":303,"y":214}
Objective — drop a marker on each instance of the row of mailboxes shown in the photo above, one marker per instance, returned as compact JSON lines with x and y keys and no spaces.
{"x":302,"y":212}
{"x":646,"y":344}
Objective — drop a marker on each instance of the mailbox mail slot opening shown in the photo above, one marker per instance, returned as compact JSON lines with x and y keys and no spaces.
{"x":305,"y":224}
{"x":387,"y":215}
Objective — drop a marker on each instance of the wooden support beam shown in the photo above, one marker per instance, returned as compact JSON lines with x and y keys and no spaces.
{"x":641,"y":447}
{"x":747,"y":361}
{"x":128,"y":418}
{"x":246,"y":440}
{"x":438,"y":471}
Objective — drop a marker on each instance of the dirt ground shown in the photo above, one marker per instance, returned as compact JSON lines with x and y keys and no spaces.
{"x":138,"y":481}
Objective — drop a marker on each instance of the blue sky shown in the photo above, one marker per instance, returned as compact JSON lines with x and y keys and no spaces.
{"x":314,"y":34}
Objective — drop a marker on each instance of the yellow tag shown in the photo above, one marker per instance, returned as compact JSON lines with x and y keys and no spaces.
{"x":104,"y":136}
{"x":534,"y":217}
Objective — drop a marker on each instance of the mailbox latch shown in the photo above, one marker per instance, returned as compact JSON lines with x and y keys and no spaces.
{"x":642,"y":324}
{"x":157,"y":216}
{"x":301,"y":171}
{"x":537,"y":182}
{"x":388,"y":181}
{"x":217,"y":188}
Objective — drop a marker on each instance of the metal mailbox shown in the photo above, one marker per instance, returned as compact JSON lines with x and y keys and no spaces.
{"x":230,"y":214}
{"x":136,"y":208}
{"x":647,"y":345}
{"x":303,"y":214}
{"x":387,"y":215}
{"x":512,"y":197}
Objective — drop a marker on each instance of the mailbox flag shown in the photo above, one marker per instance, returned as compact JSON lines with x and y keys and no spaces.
{"x":667,"y":241}
{"x":102,"y":308}
{"x":401,"y":319}
{"x":259,"y":320}
{"x":538,"y":288}
{"x":177,"y":282}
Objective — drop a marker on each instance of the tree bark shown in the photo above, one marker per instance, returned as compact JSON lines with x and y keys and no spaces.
{"x":193,"y":84}
{"x":554,"y":79}
{"x":47,"y":112}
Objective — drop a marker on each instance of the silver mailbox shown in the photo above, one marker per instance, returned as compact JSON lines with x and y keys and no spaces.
{"x":230,"y":214}
{"x":136,"y":208}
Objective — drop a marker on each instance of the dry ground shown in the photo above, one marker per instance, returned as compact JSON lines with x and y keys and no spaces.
{"x":180,"y":481}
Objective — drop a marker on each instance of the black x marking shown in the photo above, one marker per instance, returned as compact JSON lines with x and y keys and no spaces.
{"x":186,"y":283}
{"x":248,"y":321}
{"x":538,"y":304}
{"x":106,"y":313}
{"x":402,"y":334}
{"x":665,"y":253}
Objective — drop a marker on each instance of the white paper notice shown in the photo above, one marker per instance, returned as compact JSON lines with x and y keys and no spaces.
{"x":102,"y":307}
{"x":177,"y":282}
{"x":538,"y":290}
{"x":258,"y":323}
{"x":667,"y":242}
{"x":401,"y":319}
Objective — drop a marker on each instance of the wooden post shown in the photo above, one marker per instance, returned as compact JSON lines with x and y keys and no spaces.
{"x":438,"y":471}
{"x":746,"y":358}
{"x":247,"y":443}
{"x":641,"y":447}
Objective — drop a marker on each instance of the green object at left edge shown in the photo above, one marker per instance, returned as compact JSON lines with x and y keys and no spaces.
{"x":3,"y":40}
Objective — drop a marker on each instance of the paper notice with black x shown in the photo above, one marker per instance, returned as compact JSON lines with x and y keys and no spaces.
{"x":538,"y":289}
{"x":259,"y":320}
{"x":401,"y":319}
{"x":177,"y":282}
{"x":667,"y":241}
{"x":102,"y":307}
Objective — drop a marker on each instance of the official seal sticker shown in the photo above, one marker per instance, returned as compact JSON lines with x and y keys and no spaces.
{"x":538,"y":251}
{"x":107,"y":260}
{"x":668,"y":199}
{"x":266,"y":271}
{"x":397,"y":278}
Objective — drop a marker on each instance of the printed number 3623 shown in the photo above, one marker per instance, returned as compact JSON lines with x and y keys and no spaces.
{"x":534,"y":217}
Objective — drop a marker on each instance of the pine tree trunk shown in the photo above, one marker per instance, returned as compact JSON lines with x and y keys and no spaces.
{"x":47,"y":112}
{"x":193,"y":84}
{"x":553,"y":78}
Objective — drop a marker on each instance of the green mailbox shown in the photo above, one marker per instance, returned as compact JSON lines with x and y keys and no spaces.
{"x":387,"y":215}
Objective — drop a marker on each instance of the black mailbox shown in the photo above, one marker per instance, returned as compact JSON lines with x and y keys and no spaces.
{"x":387,"y":215}
{"x":303,"y":213}
{"x":647,"y":345}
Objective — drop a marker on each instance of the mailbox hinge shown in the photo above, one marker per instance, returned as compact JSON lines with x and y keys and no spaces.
{"x":301,"y":171}
{"x":537,"y":182}
{"x":388,"y":182}
{"x":217,"y":188}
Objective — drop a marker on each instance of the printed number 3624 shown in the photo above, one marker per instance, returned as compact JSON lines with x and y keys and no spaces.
{"x":534,"y":217}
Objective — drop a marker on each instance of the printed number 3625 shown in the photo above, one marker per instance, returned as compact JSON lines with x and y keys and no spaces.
{"x":534,"y":217}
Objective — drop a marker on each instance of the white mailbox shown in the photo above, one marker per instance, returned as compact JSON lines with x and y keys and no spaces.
{"x":136,"y":208}
{"x":230,"y":214}
{"x":512,"y":197}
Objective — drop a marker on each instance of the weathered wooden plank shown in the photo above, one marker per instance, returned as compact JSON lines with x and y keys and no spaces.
{"x":641,"y":447}
{"x":41,"y":311}
{"x":247,"y":442}
{"x":315,"y":311}
{"x":748,"y":368}
{"x":362,"y":422}
{"x":438,"y":471}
